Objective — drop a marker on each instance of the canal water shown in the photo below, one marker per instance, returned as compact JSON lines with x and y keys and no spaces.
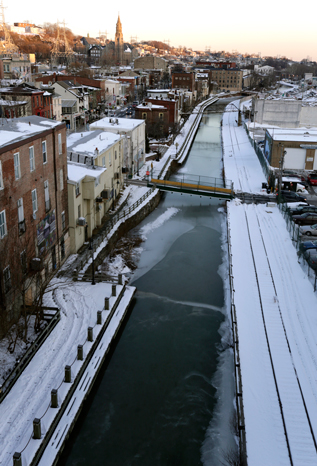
{"x":166,"y":395}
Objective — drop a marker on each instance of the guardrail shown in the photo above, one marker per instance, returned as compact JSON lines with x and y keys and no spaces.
{"x":264,"y":163}
{"x":238,"y":376}
{"x":27,"y":357}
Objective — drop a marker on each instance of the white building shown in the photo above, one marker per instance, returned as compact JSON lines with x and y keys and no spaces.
{"x":134,"y":140}
{"x":94,"y":181}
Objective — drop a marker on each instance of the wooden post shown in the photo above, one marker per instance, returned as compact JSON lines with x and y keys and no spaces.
{"x":114,"y":290}
{"x":54,"y":398}
{"x":106,"y":304}
{"x":80,"y":352}
{"x":68,"y":374}
{"x":17,"y":459}
{"x":37,"y":428}
{"x":90,"y":334}
{"x":99,"y":317}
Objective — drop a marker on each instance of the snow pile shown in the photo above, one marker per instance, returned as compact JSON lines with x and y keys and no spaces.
{"x":169,"y":213}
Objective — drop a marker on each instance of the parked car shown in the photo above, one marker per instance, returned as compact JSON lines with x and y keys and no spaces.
{"x":311,"y":257}
{"x":307,"y":218}
{"x":309,"y":230}
{"x":312,"y":244}
{"x":302,"y":209}
{"x":291,"y":196}
{"x":312,"y":178}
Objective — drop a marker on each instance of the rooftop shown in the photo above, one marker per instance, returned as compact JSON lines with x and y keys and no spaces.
{"x":123,"y":124}
{"x":87,"y":142}
{"x":12,"y":131}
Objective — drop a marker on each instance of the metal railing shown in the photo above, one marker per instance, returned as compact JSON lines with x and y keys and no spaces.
{"x":27,"y":357}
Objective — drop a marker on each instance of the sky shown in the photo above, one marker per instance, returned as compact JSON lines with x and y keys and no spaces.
{"x":271,"y":28}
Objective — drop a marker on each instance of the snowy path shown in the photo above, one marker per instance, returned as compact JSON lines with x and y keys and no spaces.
{"x":276,"y":326}
{"x":30,"y":397}
{"x":241,"y":162}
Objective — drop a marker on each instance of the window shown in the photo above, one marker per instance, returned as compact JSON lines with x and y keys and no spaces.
{"x":115,"y":155}
{"x":161,"y":116}
{"x":32,"y":162}
{"x":17,"y":170}
{"x":7,"y":279}
{"x":77,"y":189}
{"x":62,"y":248}
{"x":60,"y":147}
{"x":61,"y":179}
{"x":63,"y":221}
{"x":47,"y":196}
{"x":44,"y":151}
{"x":3,"y":224}
{"x":21,"y":217}
{"x":1,"y":178}
{"x":79,"y":211}
{"x":109,"y":159}
{"x":103,"y":161}
{"x":143,"y":116}
{"x":34,"y":201}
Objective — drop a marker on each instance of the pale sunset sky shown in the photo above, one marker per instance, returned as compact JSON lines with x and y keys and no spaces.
{"x":270,"y":27}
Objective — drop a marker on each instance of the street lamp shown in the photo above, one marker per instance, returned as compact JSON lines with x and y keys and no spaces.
{"x":93,"y":261}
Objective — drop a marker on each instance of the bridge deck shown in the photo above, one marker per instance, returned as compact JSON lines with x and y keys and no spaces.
{"x":193,"y":188}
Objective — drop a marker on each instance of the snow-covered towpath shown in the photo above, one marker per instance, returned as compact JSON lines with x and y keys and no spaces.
{"x":277,"y":323}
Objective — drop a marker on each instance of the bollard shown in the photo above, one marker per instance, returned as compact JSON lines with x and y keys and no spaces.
{"x":120,"y":279}
{"x":106,"y":304}
{"x":99,"y":318}
{"x":80,"y":352}
{"x":37,"y":428}
{"x":114,"y":290}
{"x":90,"y":334}
{"x":17,"y":459}
{"x":68,"y":374}
{"x":54,"y":398}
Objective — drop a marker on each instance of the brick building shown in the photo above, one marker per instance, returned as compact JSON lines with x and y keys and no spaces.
{"x":156,"y":117}
{"x":34,"y":237}
{"x":183,"y":80}
{"x":150,"y":62}
{"x":171,"y":104}
{"x":38,"y":102}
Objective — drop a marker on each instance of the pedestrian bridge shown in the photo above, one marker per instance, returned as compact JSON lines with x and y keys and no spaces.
{"x":199,"y":185}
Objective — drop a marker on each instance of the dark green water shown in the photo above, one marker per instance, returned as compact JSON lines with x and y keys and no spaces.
{"x":156,"y":400}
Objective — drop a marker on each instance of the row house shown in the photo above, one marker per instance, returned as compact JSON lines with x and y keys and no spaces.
{"x":74,"y":106}
{"x":17,"y":66}
{"x":94,"y":181}
{"x":133,"y":131}
{"x":171,"y":103}
{"x":227,"y":79}
{"x":156,"y":117}
{"x":37,"y":102}
{"x":34,"y":236}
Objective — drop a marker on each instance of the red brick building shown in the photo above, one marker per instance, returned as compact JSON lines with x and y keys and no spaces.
{"x":156,"y":117}
{"x":38,"y":102}
{"x":34,"y":237}
{"x":183,"y":80}
{"x":170,"y":104}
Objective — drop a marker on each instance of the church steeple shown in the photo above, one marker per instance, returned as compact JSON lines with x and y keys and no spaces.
{"x":119,"y":42}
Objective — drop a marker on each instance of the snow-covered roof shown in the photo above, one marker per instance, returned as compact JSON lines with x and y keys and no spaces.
{"x":24,"y":127}
{"x":87,"y":142}
{"x":124,"y":124}
{"x":77,"y":172}
{"x":301,"y":135}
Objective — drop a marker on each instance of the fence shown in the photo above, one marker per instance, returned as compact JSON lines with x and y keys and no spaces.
{"x":264,"y":163}
{"x":27,"y":357}
{"x":238,"y":377}
{"x":294,"y":231}
{"x":82,"y":261}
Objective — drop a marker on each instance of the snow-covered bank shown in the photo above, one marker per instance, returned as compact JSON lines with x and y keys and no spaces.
{"x":275,"y":306}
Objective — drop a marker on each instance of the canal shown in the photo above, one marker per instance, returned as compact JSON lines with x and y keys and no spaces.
{"x":166,"y":395}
